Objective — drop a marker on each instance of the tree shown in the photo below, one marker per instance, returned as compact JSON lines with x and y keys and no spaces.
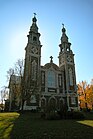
{"x":19,"y":67}
{"x":83,"y":91}
{"x":16,"y":86}
{"x":90,"y":97}
{"x":2,"y":99}
{"x":9,"y":73}
{"x":19,"y":70}
{"x":4,"y":95}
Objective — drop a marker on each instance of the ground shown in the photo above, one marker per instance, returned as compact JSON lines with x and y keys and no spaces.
{"x":30,"y":126}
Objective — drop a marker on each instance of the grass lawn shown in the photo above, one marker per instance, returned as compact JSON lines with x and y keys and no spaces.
{"x":31,"y":126}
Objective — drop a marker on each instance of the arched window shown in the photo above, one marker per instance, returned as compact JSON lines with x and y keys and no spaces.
{"x":52,"y":102}
{"x":43,"y":102}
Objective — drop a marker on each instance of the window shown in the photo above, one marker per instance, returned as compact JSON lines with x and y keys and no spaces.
{"x":51,"y":79}
{"x":60,"y":80}
{"x":34,"y":38}
{"x":73,"y":100}
{"x":70,"y":77}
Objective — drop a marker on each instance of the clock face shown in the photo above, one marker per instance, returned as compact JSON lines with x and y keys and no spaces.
{"x":69,"y":58}
{"x":34,"y":50}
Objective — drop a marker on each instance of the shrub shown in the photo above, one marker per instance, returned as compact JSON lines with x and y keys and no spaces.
{"x":52,"y":116}
{"x":86,"y":109}
{"x":74,"y":115}
{"x":70,"y":114}
{"x":43,"y":115}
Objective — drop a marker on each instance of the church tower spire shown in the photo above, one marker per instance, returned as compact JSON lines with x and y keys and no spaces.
{"x":34,"y":27}
{"x":34,"y":35}
{"x":32,"y":63}
{"x":66,"y":64}
{"x":65,"y":45}
{"x":64,"y":37}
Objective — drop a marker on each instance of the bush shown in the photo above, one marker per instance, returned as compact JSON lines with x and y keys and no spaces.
{"x":52,"y":116}
{"x":71,"y":115}
{"x":86,"y":109}
{"x":74,"y":115}
{"x":62,"y":114}
{"x":43,"y":115}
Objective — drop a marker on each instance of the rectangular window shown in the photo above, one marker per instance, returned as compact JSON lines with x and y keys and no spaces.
{"x":51,"y":79}
{"x":73,"y":100}
{"x":60,"y":80}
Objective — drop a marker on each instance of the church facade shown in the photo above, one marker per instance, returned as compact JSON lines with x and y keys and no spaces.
{"x":51,"y":84}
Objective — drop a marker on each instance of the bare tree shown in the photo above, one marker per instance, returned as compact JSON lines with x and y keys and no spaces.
{"x":5,"y":92}
{"x":19,"y":67}
{"x":17,"y":71}
{"x":4,"y":95}
{"x":9,"y":73}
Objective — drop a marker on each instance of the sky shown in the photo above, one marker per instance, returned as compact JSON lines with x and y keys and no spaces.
{"x":16,"y":19}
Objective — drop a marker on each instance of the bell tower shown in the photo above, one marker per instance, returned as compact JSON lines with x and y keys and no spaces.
{"x":67,"y":65}
{"x":32,"y":63}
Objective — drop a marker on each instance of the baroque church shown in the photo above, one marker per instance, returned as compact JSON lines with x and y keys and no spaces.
{"x":51,"y":84}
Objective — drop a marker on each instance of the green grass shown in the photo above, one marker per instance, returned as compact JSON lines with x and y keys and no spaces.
{"x":31,"y":126}
{"x":6,"y":124}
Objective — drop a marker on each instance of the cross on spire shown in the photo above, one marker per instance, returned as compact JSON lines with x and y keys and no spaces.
{"x":51,"y":59}
{"x":34,"y":14}
{"x":63,"y":25}
{"x":34,"y":18}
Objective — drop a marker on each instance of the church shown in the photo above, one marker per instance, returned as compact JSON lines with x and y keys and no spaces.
{"x":50,"y":84}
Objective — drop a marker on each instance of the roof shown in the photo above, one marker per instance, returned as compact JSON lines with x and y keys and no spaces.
{"x":49,"y":65}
